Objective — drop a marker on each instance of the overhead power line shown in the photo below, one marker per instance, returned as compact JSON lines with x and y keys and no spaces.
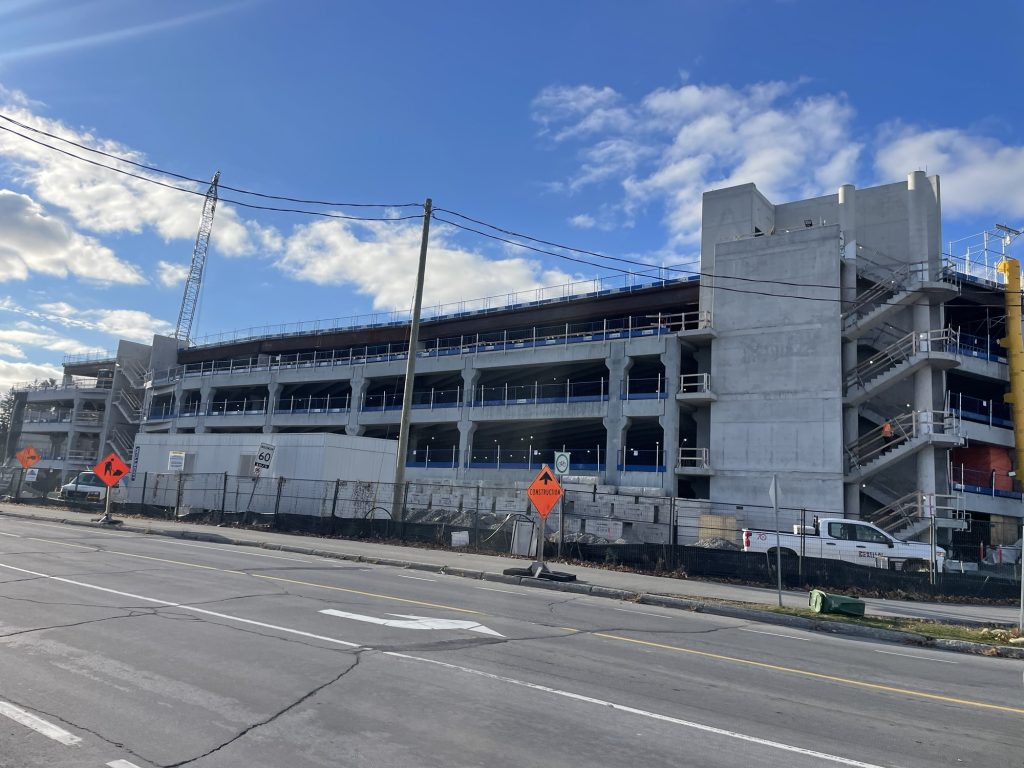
{"x":690,"y":272}
{"x":326,"y":214}
{"x":620,"y":259}
{"x":182,"y":177}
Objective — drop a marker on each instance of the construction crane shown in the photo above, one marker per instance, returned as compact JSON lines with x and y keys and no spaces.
{"x":194,"y":282}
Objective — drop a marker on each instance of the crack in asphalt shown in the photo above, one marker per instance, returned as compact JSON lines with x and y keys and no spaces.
{"x":357,"y":654}
{"x":84,"y":729}
{"x":130,"y":615}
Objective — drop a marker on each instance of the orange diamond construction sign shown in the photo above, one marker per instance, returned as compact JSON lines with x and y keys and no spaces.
{"x":27,"y":456}
{"x":545,"y":491}
{"x":111,"y":469}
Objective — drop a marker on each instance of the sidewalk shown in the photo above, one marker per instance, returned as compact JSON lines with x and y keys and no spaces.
{"x":436,"y":559}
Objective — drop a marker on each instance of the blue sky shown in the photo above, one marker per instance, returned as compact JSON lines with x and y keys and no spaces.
{"x":595,"y":124}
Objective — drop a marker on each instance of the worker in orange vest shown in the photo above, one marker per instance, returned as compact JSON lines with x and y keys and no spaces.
{"x":887,"y":434}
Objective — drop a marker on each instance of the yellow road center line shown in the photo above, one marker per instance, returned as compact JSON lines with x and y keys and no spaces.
{"x":62,"y":543}
{"x":276,"y":578}
{"x":816,"y":675}
{"x":296,"y":581}
{"x":367,"y":594}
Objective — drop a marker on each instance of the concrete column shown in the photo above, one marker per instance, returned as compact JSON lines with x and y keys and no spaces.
{"x":615,"y":423}
{"x":920,"y":207}
{"x":467,"y":429}
{"x":273,"y":393}
{"x":671,"y":358}
{"x":924,"y":228}
{"x":176,"y":402}
{"x":206,"y":393}
{"x":359,"y":385}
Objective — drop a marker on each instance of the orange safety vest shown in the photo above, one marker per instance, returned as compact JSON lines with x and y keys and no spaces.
{"x":887,"y":430}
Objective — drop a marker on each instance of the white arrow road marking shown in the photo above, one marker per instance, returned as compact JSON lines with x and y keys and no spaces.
{"x":37,"y":724}
{"x":407,"y":621}
{"x":122,"y":764}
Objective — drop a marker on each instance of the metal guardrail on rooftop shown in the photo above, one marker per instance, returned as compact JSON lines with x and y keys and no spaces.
{"x":95,"y":355}
{"x":601,"y":286}
{"x":497,"y":341}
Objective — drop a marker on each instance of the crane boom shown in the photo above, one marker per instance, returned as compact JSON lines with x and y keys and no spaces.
{"x":194,"y":282}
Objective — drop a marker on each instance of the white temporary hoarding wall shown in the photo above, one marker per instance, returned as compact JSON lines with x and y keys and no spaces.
{"x":314,"y":456}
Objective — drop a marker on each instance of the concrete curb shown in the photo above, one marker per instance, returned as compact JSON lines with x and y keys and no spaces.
{"x":645,"y":598}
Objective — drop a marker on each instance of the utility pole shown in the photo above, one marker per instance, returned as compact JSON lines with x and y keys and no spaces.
{"x":410,"y":368}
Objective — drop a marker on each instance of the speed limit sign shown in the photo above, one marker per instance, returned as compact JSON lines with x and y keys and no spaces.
{"x":561,"y":463}
{"x":261,"y":462}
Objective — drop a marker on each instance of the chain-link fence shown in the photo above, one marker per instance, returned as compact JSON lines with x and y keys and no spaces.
{"x":638,"y":529}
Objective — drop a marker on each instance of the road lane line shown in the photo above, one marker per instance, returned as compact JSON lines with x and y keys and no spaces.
{"x":911,"y":656}
{"x":776,"y":634}
{"x":815,"y":675}
{"x":291,"y":581}
{"x":643,"y":613}
{"x":62,"y":543}
{"x":642,"y":712}
{"x":172,"y":562}
{"x":121,"y":764}
{"x":364,"y":594}
{"x":506,"y":591}
{"x":183,"y":607}
{"x":12,"y":535}
{"x":418,"y":578}
{"x":38,"y":725}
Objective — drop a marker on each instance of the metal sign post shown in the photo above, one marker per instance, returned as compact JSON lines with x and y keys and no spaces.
{"x":773,"y":492}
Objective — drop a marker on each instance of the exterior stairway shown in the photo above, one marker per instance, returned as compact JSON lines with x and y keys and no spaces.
{"x":913,"y":513}
{"x":900,"y":359}
{"x":895,"y":285}
{"x":911,"y":432}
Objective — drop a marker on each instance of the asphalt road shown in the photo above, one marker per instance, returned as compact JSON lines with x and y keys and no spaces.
{"x":120,"y":649}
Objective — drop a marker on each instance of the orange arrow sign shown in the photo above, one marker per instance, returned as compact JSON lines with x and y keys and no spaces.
{"x":545,"y":491}
{"x":111,"y":470}
{"x":28,"y":456}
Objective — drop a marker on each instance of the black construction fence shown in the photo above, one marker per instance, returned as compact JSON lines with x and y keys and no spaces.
{"x":648,"y":533}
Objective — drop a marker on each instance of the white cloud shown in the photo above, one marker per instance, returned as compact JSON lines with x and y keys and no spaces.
{"x":132,"y":324}
{"x":980,"y":175}
{"x":103,"y":201}
{"x":381,"y":259}
{"x":581,"y":109}
{"x":10,"y":350}
{"x":583,"y":221}
{"x":20,"y":373}
{"x":35,"y":242}
{"x":170,"y":274}
{"x":674,"y":144}
{"x":25,"y":334}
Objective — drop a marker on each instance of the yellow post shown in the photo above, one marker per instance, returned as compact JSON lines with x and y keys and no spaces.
{"x":1015,"y":354}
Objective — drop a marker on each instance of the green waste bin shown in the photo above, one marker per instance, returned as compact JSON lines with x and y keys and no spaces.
{"x":822,"y":602}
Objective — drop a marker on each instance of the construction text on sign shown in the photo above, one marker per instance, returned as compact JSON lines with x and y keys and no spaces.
{"x":545,"y":491}
{"x":28,"y":456}
{"x":111,"y":469}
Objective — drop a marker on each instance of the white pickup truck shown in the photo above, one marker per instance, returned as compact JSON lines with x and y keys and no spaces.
{"x":855,"y":541}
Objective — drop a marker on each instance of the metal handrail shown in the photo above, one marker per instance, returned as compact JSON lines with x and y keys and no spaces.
{"x":902,"y":429}
{"x":690,"y":383}
{"x":914,"y":343}
{"x":876,"y":295}
{"x":916,"y":505}
{"x":696,"y":458}
{"x":497,"y":341}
